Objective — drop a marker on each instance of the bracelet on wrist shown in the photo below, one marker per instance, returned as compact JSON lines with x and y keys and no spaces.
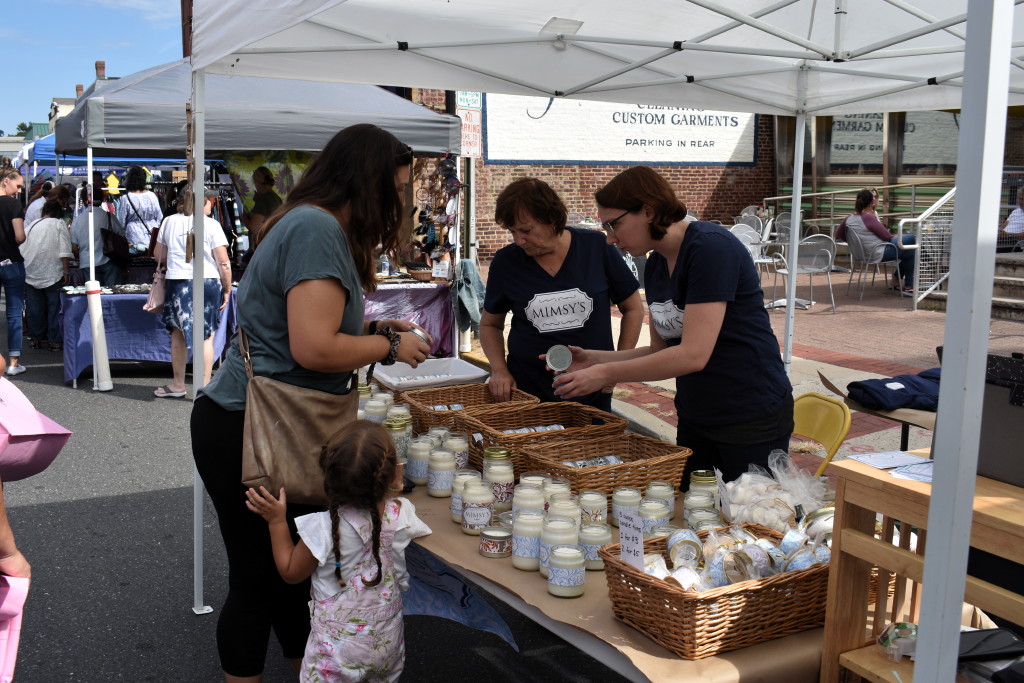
{"x":395,"y":339}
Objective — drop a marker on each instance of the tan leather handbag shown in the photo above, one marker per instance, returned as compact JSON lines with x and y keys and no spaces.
{"x":285,"y":429}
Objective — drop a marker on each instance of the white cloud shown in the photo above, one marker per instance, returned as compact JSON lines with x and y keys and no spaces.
{"x":155,"y":11}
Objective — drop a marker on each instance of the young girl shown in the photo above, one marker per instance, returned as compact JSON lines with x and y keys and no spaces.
{"x":356,"y":554}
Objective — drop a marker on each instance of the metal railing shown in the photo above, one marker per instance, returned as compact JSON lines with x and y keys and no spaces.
{"x":933,"y":238}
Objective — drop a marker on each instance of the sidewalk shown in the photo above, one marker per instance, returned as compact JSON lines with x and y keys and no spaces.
{"x":876,"y":337}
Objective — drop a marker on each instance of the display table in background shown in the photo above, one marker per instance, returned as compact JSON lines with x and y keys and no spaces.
{"x":428,"y":304}
{"x":132,"y":334}
{"x":587,"y":622}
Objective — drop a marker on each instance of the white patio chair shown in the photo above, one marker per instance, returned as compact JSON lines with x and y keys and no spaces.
{"x":866,"y":260}
{"x":814,"y":256}
{"x":752,"y":240}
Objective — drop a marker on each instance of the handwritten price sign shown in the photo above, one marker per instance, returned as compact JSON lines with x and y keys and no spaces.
{"x":631,"y":538}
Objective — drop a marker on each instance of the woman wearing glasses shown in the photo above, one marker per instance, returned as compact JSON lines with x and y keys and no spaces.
{"x":733,"y":398}
{"x":559,"y":283}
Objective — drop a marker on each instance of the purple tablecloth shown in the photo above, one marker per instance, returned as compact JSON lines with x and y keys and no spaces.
{"x":132,"y":334}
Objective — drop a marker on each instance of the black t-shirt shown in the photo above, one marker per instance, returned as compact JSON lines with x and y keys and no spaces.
{"x":10,"y":209}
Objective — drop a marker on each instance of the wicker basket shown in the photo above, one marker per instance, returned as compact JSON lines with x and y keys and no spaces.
{"x":469,"y":395}
{"x":580,"y":422}
{"x":644,"y":460}
{"x":698,"y":625}
{"x":423,"y":274}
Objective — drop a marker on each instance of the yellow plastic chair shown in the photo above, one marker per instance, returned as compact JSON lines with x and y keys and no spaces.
{"x":823,"y":419}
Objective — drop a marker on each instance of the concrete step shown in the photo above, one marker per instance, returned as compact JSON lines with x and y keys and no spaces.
{"x":1010,"y":265}
{"x":1003,"y":308}
{"x":1008,"y":287}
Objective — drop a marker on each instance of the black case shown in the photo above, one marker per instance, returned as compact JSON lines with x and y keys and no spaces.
{"x":991,"y":643}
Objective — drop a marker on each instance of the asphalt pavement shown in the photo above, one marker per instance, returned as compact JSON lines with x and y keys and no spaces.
{"x":108,"y":531}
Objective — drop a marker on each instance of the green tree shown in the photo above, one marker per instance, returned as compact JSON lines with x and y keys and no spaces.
{"x":22,"y":129}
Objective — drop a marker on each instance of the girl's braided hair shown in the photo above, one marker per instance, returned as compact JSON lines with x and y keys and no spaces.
{"x":358,"y":463}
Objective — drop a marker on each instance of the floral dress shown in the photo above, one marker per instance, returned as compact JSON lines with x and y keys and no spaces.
{"x":357,"y":632}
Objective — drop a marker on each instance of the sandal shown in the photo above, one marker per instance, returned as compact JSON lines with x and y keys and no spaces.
{"x":56,"y":346}
{"x":166,"y":392}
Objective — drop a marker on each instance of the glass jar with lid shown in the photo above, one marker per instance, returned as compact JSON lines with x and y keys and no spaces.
{"x":502,"y":480}
{"x":477,"y":507}
{"x":555,"y":531}
{"x":458,"y":482}
{"x":705,"y":480}
{"x":396,"y":430}
{"x":495,"y":455}
{"x":458,"y":443}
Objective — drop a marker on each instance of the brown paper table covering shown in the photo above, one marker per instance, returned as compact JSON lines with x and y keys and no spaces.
{"x":793,"y":659}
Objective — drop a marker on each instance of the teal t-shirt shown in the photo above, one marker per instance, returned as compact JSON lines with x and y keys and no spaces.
{"x":306,"y":244}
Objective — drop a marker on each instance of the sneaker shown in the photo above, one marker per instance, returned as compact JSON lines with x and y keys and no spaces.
{"x":15,"y":369}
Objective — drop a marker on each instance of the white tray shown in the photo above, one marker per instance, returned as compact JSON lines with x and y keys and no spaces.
{"x":434,"y":372}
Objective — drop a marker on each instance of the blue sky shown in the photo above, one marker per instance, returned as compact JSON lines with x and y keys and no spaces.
{"x":55,"y":44}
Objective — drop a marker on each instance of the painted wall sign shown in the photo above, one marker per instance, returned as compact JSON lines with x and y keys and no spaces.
{"x":521,"y":130}
{"x":930,"y":138}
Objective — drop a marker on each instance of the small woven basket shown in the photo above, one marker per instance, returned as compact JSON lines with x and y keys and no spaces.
{"x":644,"y":460}
{"x":489,"y":422}
{"x":468,"y":395}
{"x":698,"y":625}
{"x":423,"y":274}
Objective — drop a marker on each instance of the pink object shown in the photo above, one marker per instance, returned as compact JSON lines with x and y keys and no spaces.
{"x":13,"y":591}
{"x":29,"y":441}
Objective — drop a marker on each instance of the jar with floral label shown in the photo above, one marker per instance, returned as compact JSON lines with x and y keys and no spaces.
{"x":556,"y":531}
{"x":458,"y":482}
{"x":417,"y":459}
{"x":440,"y":473}
{"x":477,"y":507}
{"x":396,"y":430}
{"x":653,"y":512}
{"x":495,"y":455}
{"x":593,"y":535}
{"x":458,"y":443}
{"x":526,"y":540}
{"x":593,"y":505}
{"x":502,"y":481}
{"x":375,"y":411}
{"x":566,"y":571}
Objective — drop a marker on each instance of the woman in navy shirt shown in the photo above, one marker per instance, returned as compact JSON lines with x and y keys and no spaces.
{"x":559,"y":284}
{"x":733,"y":398}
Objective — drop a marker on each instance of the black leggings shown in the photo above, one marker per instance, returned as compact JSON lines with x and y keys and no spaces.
{"x":731,"y":459}
{"x":258,"y":599}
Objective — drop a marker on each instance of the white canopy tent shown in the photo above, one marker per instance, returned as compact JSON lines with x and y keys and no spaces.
{"x":789,"y":57}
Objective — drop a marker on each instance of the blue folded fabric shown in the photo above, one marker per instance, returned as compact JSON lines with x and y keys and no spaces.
{"x":920,"y":391}
{"x":436,"y":590}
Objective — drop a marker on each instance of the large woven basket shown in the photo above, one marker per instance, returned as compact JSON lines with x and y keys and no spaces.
{"x":469,"y":395}
{"x":698,"y":625}
{"x":644,"y":460}
{"x":579,"y":421}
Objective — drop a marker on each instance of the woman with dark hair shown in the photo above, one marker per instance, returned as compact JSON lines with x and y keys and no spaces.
{"x":873,"y":236}
{"x":733,"y":398}
{"x":138,"y":211}
{"x":265,"y":200}
{"x":301,"y":306}
{"x":12,"y":264}
{"x":559,"y":283}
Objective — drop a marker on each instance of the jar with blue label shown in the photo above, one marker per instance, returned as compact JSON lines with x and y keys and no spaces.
{"x":566,"y":571}
{"x":653,"y":512}
{"x":556,"y":531}
{"x":458,"y":482}
{"x":440,"y":474}
{"x":624,"y":499}
{"x":685,"y":548}
{"x":593,"y":535}
{"x":526,"y":528}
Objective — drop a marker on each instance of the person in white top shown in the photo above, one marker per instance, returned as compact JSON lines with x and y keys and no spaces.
{"x":355,"y":554}
{"x":47,"y":254}
{"x":1012,"y":229}
{"x":173,"y":251}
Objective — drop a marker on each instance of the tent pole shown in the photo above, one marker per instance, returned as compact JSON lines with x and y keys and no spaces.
{"x":795,"y":222}
{"x":100,"y":364}
{"x":958,"y":427}
{"x":197,"y":171}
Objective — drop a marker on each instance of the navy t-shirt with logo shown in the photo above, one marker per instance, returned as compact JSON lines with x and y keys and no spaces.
{"x":571,"y":307}
{"x":660,"y":288}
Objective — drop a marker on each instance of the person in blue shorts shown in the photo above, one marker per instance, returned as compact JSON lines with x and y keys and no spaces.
{"x":733,"y":398}
{"x":559,"y":284}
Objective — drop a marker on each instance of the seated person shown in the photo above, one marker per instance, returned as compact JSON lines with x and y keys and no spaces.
{"x":872,"y":233}
{"x":1012,"y":229}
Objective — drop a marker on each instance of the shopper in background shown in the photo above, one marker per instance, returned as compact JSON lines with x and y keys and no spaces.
{"x":301,"y":306}
{"x":12,"y":264}
{"x":265,"y":200}
{"x":138,"y":210}
{"x":733,"y":398}
{"x":47,"y":253}
{"x":107,"y":273}
{"x":559,"y":284}
{"x":177,"y":317}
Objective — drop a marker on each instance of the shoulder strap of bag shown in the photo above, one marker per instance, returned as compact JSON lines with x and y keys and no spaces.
{"x":132,"y":204}
{"x":243,"y":349}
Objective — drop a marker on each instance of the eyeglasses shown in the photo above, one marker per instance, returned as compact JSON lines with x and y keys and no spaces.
{"x":609,"y":226}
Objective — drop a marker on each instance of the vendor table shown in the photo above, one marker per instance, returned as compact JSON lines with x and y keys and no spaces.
{"x":905,"y":417}
{"x":132,"y":334}
{"x":587,"y":622}
{"x":863,"y":492}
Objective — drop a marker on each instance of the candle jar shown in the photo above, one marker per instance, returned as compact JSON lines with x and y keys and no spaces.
{"x":418,"y":459}
{"x":653,"y":512}
{"x":495,"y":455}
{"x":705,"y":519}
{"x":458,"y":482}
{"x":527,"y":497}
{"x":375,"y":410}
{"x":705,"y":480}
{"x":685,"y":548}
{"x":439,"y":432}
{"x":554,"y":485}
{"x":495,"y":541}
{"x":593,"y":505}
{"x":624,"y":499}
{"x":664,"y":530}
{"x":396,"y":430}
{"x":555,"y":531}
{"x":386,"y":396}
{"x":502,"y":480}
{"x":696,"y":500}
{"x":534,"y":477}
{"x":526,"y":530}
{"x":399,"y":410}
{"x":458,"y":443}
{"x":440,"y":473}
{"x":566,"y":573}
{"x":364,"y":394}
{"x":663,"y":490}
{"x":593,"y":535}
{"x":477,"y":507}
{"x":565,"y":505}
